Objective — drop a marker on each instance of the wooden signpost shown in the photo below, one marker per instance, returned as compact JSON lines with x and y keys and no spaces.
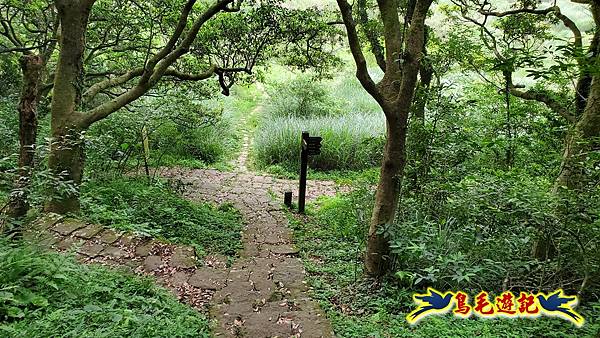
{"x":310,"y":146}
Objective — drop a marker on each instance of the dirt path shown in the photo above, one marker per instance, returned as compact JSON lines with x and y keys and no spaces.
{"x":240,"y":163}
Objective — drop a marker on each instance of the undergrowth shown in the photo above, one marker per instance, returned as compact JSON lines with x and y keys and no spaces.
{"x":46,"y":294}
{"x":332,"y":244}
{"x":133,"y":204}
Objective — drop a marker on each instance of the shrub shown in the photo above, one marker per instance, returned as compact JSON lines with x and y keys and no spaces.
{"x":9,"y":127}
{"x":301,"y":96}
{"x":154,"y":209}
{"x":331,"y":244}
{"x":51,"y":295}
{"x":350,"y":142}
{"x":207,"y":144}
{"x":181,"y":127}
{"x":479,"y":232}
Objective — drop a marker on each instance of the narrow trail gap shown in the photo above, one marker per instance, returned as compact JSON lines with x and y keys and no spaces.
{"x":240,"y":164}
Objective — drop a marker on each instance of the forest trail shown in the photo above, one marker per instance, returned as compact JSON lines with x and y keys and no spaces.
{"x":240,"y":163}
{"x":263,"y":294}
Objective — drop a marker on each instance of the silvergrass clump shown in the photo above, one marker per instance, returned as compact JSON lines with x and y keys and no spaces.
{"x":350,"y":142}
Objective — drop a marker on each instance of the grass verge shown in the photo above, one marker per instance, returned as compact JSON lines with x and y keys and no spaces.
{"x":46,"y":294}
{"x":132,"y":204}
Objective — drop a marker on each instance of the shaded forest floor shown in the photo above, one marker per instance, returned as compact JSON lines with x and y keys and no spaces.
{"x":262,"y":294}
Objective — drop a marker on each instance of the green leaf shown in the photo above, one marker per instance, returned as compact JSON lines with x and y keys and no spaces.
{"x":39,"y":301}
{"x":116,"y":317}
{"x":92,"y":308}
{"x":15,"y":312}
{"x":4,"y":296}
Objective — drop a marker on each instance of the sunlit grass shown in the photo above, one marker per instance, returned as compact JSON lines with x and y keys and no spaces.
{"x":350,"y":142}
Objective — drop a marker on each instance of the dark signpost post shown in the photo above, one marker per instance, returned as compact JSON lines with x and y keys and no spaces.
{"x":287,"y":199}
{"x":310,"y":146}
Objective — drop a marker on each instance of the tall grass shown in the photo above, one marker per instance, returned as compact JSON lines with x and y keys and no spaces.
{"x":351,"y":96}
{"x":339,"y":110}
{"x":350,"y":142}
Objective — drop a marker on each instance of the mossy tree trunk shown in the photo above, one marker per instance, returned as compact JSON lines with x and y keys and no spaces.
{"x":585,"y":134}
{"x":394,"y":94}
{"x":32,"y":67}
{"x":582,"y":140}
{"x":66,"y":152}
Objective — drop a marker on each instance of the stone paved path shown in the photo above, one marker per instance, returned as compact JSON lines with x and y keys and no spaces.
{"x":265,"y":294}
{"x":174,"y":266}
{"x":262,"y":295}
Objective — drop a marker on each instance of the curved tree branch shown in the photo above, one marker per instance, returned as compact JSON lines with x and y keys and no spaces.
{"x":371,"y":34}
{"x":570,"y":24}
{"x":362,"y":71}
{"x":158,"y":65}
{"x":553,"y":104}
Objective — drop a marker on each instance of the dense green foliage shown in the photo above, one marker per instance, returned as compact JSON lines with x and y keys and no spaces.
{"x":332,"y":245}
{"x":8,"y":127}
{"x":186,"y":128}
{"x":156,"y":210}
{"x":300,"y":97}
{"x":51,"y":295}
{"x":465,"y":200}
{"x":451,"y":235}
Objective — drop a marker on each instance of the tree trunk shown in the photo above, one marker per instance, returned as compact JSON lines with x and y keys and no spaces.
{"x":66,"y":153}
{"x":377,"y":260}
{"x":66,"y":160}
{"x":394,"y":94}
{"x":31,"y":66}
{"x":581,"y":140}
